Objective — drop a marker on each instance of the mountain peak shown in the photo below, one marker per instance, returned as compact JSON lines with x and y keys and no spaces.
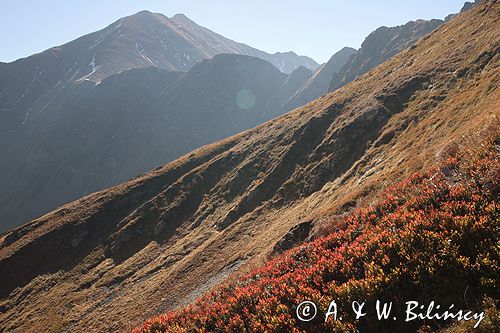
{"x":179,"y":16}
{"x":143,"y":14}
{"x":183,"y":20}
{"x":347,"y":49}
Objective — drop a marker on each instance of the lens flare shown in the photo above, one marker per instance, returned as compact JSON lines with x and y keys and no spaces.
{"x":245,"y":99}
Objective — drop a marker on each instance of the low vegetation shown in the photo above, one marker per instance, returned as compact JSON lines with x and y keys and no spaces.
{"x":433,"y":237}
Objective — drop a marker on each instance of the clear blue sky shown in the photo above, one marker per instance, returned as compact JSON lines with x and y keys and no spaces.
{"x":316,"y":28}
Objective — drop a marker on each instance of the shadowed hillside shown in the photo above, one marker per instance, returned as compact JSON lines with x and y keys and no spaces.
{"x":318,"y":84}
{"x":101,"y":135}
{"x":65,"y":89}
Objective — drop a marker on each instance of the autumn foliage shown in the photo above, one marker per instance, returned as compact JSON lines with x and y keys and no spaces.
{"x":434,"y":236}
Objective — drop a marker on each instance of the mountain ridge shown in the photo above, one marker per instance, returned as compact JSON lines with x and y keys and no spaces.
{"x":148,"y":26}
{"x":319,"y":83}
{"x":380,"y":45}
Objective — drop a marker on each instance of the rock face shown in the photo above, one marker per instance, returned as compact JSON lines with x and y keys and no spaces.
{"x":294,"y":237}
{"x":467,"y":5}
{"x":110,"y":260}
{"x":379,"y":46}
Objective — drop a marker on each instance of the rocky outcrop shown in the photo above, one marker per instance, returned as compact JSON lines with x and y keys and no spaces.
{"x":467,"y":5}
{"x":294,"y":237}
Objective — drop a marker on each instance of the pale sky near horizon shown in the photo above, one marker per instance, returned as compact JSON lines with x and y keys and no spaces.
{"x":316,"y":28}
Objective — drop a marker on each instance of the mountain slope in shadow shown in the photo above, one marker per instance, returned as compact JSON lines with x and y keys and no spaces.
{"x":105,"y":134}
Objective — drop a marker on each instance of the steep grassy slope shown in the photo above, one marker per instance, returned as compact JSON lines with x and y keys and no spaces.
{"x":112,"y":259}
{"x":433,"y":237}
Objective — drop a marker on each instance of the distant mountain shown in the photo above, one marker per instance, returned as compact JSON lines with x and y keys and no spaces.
{"x":293,"y":83}
{"x":146,"y":39}
{"x":379,"y":46}
{"x":97,"y":135}
{"x":286,"y":62}
{"x":36,"y":83}
{"x":318,"y":84}
{"x":59,"y":112}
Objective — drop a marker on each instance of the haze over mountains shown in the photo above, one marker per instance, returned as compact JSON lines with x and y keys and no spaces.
{"x":115,"y":103}
{"x":129,"y":123}
{"x":109,"y":260}
{"x":59,"y":111}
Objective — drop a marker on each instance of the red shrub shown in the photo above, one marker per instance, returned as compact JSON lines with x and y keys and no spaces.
{"x":432,"y":237}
